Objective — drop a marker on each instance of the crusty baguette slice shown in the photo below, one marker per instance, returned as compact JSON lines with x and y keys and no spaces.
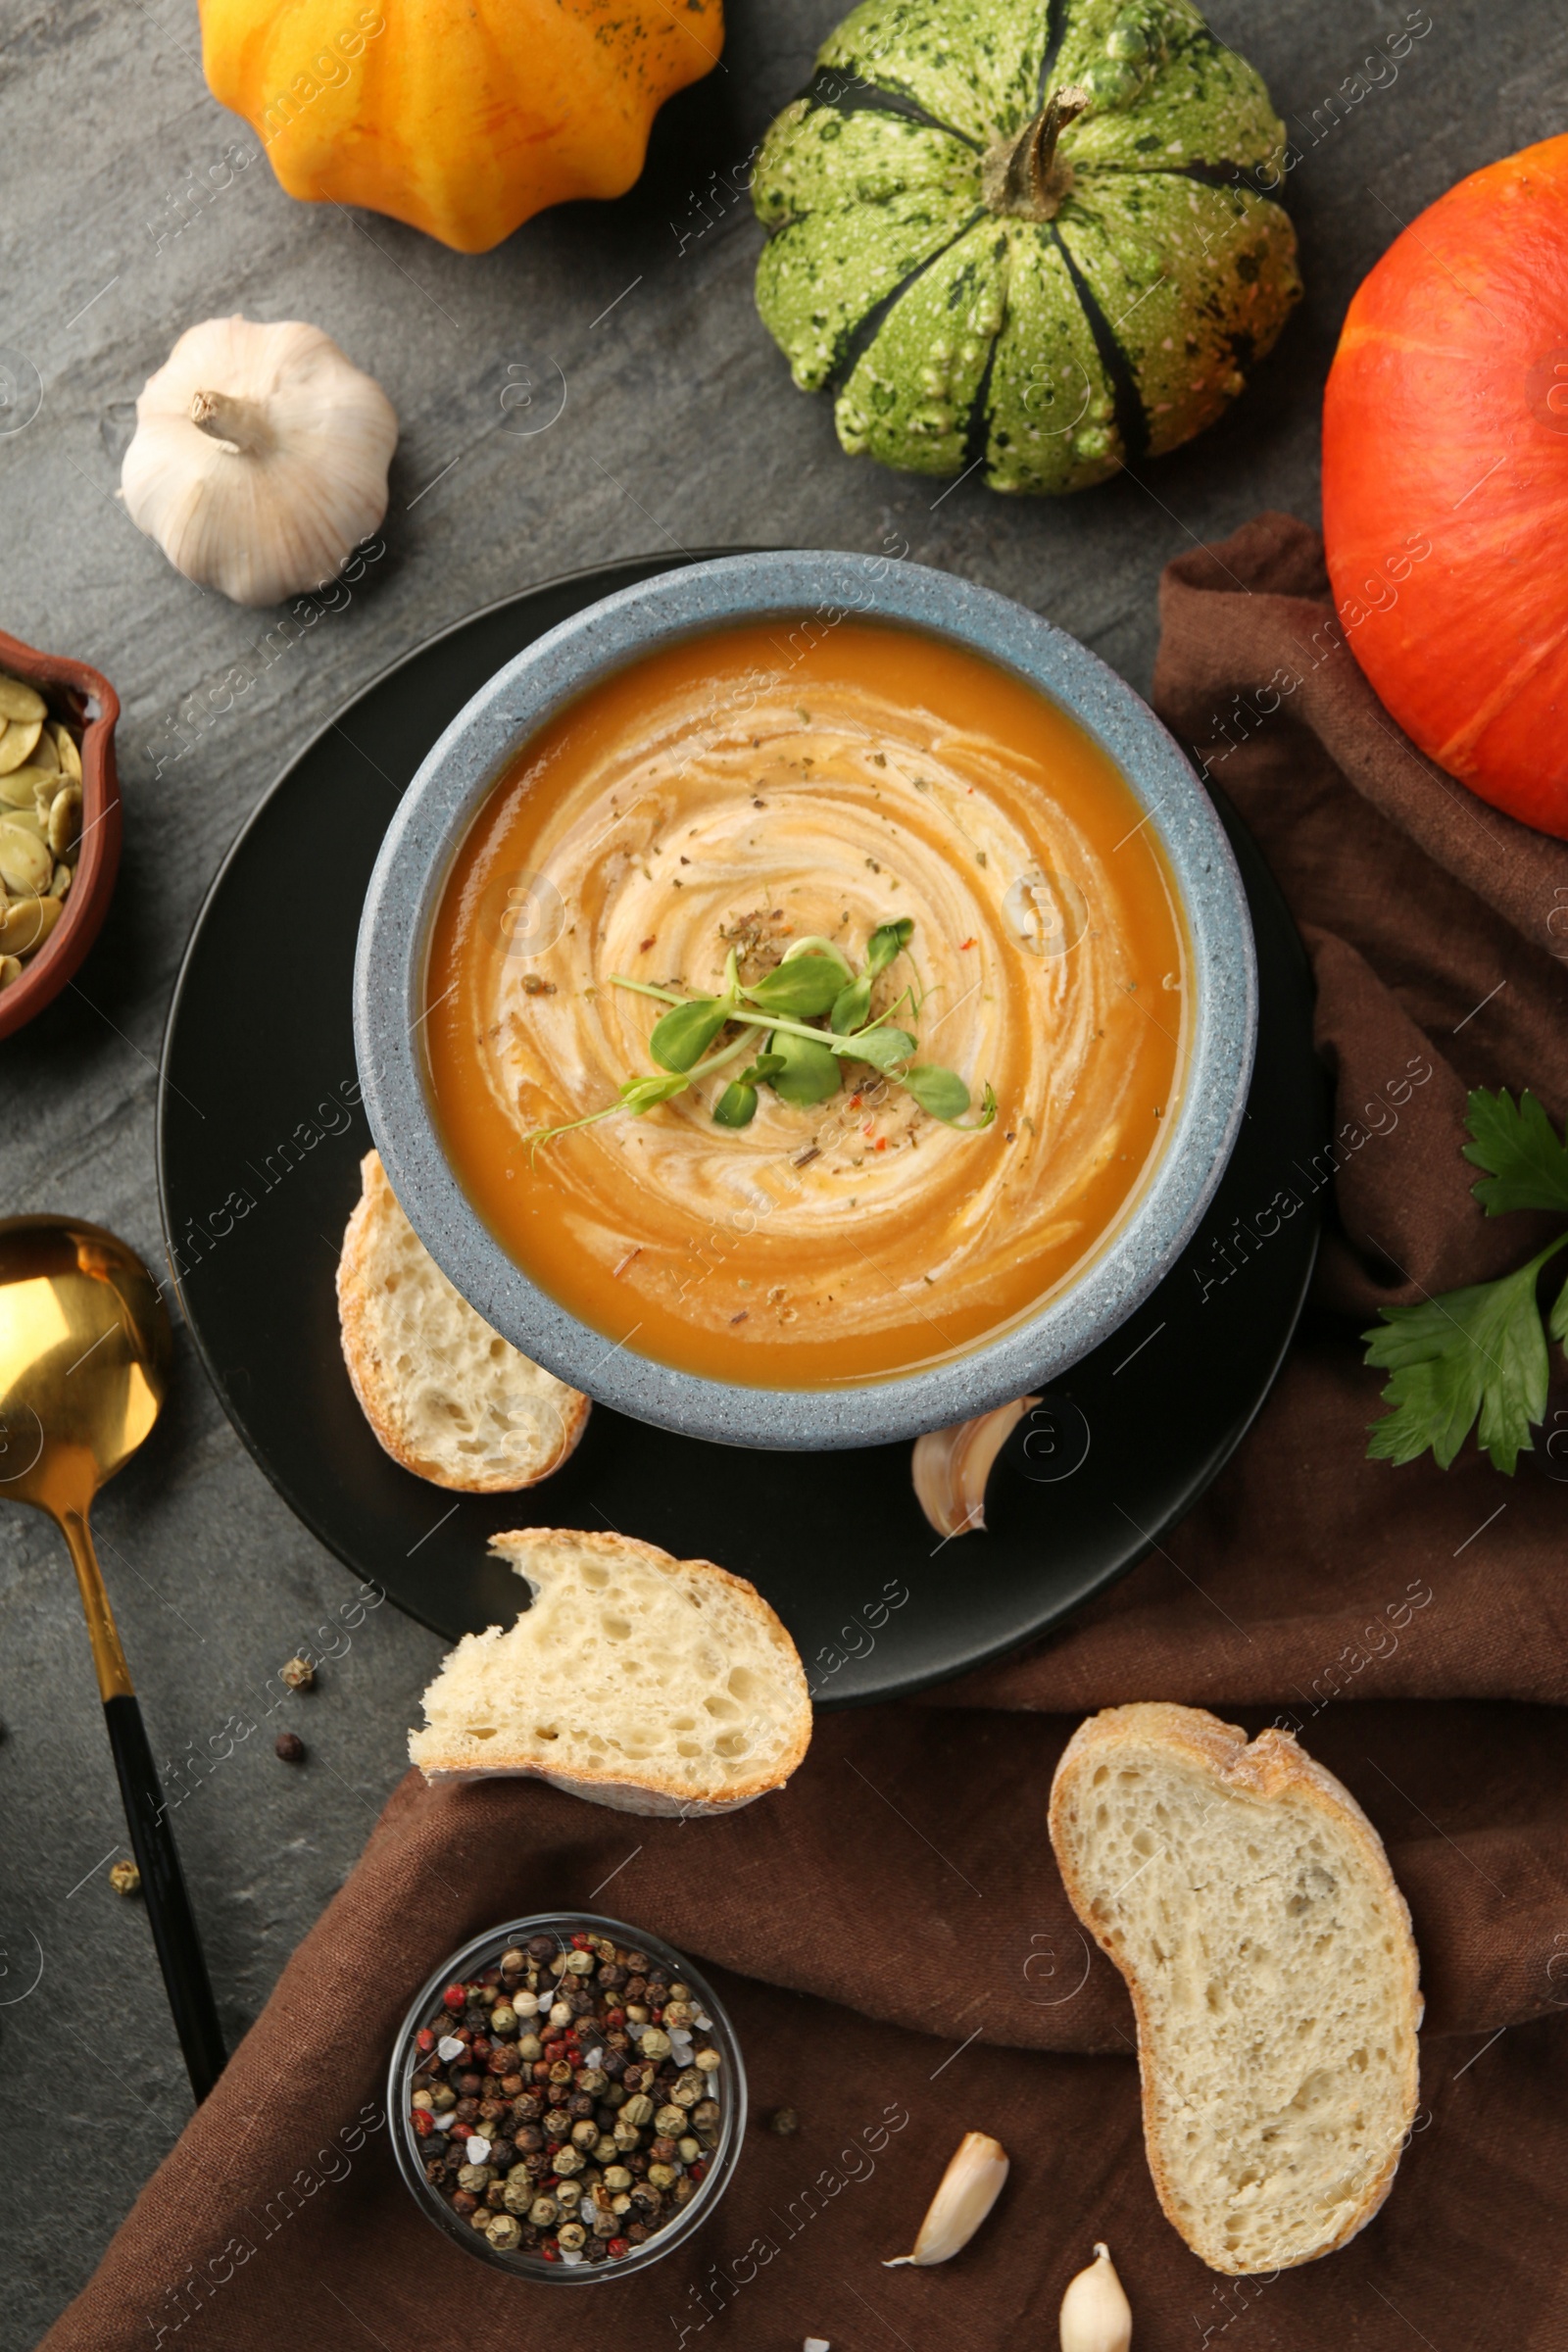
{"x":1248,"y":1903}
{"x":447,"y":1396}
{"x":641,"y":1682}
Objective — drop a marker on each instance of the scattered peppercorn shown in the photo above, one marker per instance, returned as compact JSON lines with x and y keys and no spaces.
{"x":783,"y":2120}
{"x":585,"y":2139}
{"x":298,"y":1673}
{"x":125,"y":1879}
{"x":290,"y":1747}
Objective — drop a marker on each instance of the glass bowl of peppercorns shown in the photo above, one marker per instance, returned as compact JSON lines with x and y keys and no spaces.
{"x":568,"y":2098}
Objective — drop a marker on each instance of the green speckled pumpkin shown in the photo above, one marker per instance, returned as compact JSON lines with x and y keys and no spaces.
{"x":1025,"y":233}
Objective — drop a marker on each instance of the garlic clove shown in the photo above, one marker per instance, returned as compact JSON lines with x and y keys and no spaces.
{"x":965,"y":2194}
{"x":260,"y":458}
{"x":952,"y":1466}
{"x":1095,"y":2315}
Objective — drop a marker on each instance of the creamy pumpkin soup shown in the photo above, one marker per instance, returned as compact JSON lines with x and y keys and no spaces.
{"x":807,"y":1005}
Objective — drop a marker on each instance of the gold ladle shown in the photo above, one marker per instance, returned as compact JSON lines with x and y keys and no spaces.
{"x":85,"y":1359}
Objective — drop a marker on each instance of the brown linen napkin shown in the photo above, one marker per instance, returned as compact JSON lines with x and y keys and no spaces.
{"x":891,"y":1933}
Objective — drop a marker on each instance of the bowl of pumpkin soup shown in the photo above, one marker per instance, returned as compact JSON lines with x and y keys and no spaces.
{"x":805,"y":1000}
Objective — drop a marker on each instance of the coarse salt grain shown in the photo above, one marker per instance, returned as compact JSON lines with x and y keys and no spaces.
{"x":449,"y":2047}
{"x":444,"y":2123}
{"x":593,"y":2058}
{"x":478,"y":2150}
{"x":704,"y":2024}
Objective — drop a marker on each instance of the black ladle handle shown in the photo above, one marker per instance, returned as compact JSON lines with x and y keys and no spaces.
{"x":168,"y":1912}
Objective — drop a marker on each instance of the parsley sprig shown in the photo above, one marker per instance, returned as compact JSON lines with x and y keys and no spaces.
{"x":1480,"y":1352}
{"x":809,"y":1016}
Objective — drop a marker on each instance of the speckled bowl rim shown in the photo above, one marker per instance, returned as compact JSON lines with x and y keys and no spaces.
{"x":447,"y":793}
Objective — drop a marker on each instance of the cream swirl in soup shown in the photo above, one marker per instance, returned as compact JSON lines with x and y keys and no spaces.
{"x":743,"y":791}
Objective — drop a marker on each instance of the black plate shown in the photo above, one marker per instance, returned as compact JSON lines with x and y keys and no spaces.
{"x":260,"y":1139}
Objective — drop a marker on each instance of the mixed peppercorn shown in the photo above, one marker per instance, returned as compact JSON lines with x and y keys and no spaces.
{"x":565,"y":2102}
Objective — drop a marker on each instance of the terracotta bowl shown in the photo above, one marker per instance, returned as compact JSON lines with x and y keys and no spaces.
{"x":86,"y":700}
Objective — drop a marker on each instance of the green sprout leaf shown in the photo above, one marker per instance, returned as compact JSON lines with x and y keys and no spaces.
{"x":940,"y":1092}
{"x":815,"y":943}
{"x":638,"y":1095}
{"x":886,"y":1049}
{"x":852,"y":1007}
{"x":886,"y":942}
{"x":736,"y":1105}
{"x":800,"y":988}
{"x":1527,"y":1163}
{"x":810,"y":1071}
{"x":683,"y":1036}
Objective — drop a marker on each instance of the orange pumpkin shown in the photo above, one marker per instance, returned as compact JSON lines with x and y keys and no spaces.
{"x":461,"y":116}
{"x":1446,"y":483}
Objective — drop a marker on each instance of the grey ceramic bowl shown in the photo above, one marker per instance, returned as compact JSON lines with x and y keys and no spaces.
{"x":447,"y":793}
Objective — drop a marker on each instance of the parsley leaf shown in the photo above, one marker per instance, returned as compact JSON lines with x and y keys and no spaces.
{"x":1474,"y":1352}
{"x":1527,"y":1163}
{"x":1479,"y":1355}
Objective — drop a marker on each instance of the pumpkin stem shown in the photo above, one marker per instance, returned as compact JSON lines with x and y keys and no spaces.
{"x":242,"y":425}
{"x":1025,"y":175}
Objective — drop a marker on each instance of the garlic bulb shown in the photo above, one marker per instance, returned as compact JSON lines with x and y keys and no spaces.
{"x":951,"y":1467}
{"x":260,"y":458}
{"x":1095,"y":2315}
{"x":965,"y":2194}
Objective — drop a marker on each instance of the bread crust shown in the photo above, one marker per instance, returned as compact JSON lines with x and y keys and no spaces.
{"x":1269,"y":1767}
{"x":658,"y":1794}
{"x":375,"y":1385}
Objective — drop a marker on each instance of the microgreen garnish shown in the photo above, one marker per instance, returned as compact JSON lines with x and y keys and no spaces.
{"x":1479,"y":1351}
{"x":802,"y":1062}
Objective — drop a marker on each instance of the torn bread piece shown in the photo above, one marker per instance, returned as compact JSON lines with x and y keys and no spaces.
{"x":446,"y":1395}
{"x":635,"y":1680}
{"x":1248,"y":1903}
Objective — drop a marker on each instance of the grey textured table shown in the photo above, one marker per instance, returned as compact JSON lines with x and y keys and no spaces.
{"x":122,"y":223}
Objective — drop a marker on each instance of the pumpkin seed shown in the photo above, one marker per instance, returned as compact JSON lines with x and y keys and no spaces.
{"x":20,"y":789}
{"x":27,"y":924}
{"x":65,"y":820}
{"x":26,"y":864}
{"x":20,"y":701}
{"x":40,"y":821}
{"x":70,"y":755}
{"x":17,"y":742}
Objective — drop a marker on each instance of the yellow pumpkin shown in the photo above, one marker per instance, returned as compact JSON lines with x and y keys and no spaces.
{"x":461,"y":116}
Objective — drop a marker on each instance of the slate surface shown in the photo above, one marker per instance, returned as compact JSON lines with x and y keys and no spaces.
{"x":126,"y":215}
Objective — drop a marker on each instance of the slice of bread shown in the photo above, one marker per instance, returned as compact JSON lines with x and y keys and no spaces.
{"x":641,"y":1682}
{"x":447,"y":1396}
{"x":1248,"y":1903}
